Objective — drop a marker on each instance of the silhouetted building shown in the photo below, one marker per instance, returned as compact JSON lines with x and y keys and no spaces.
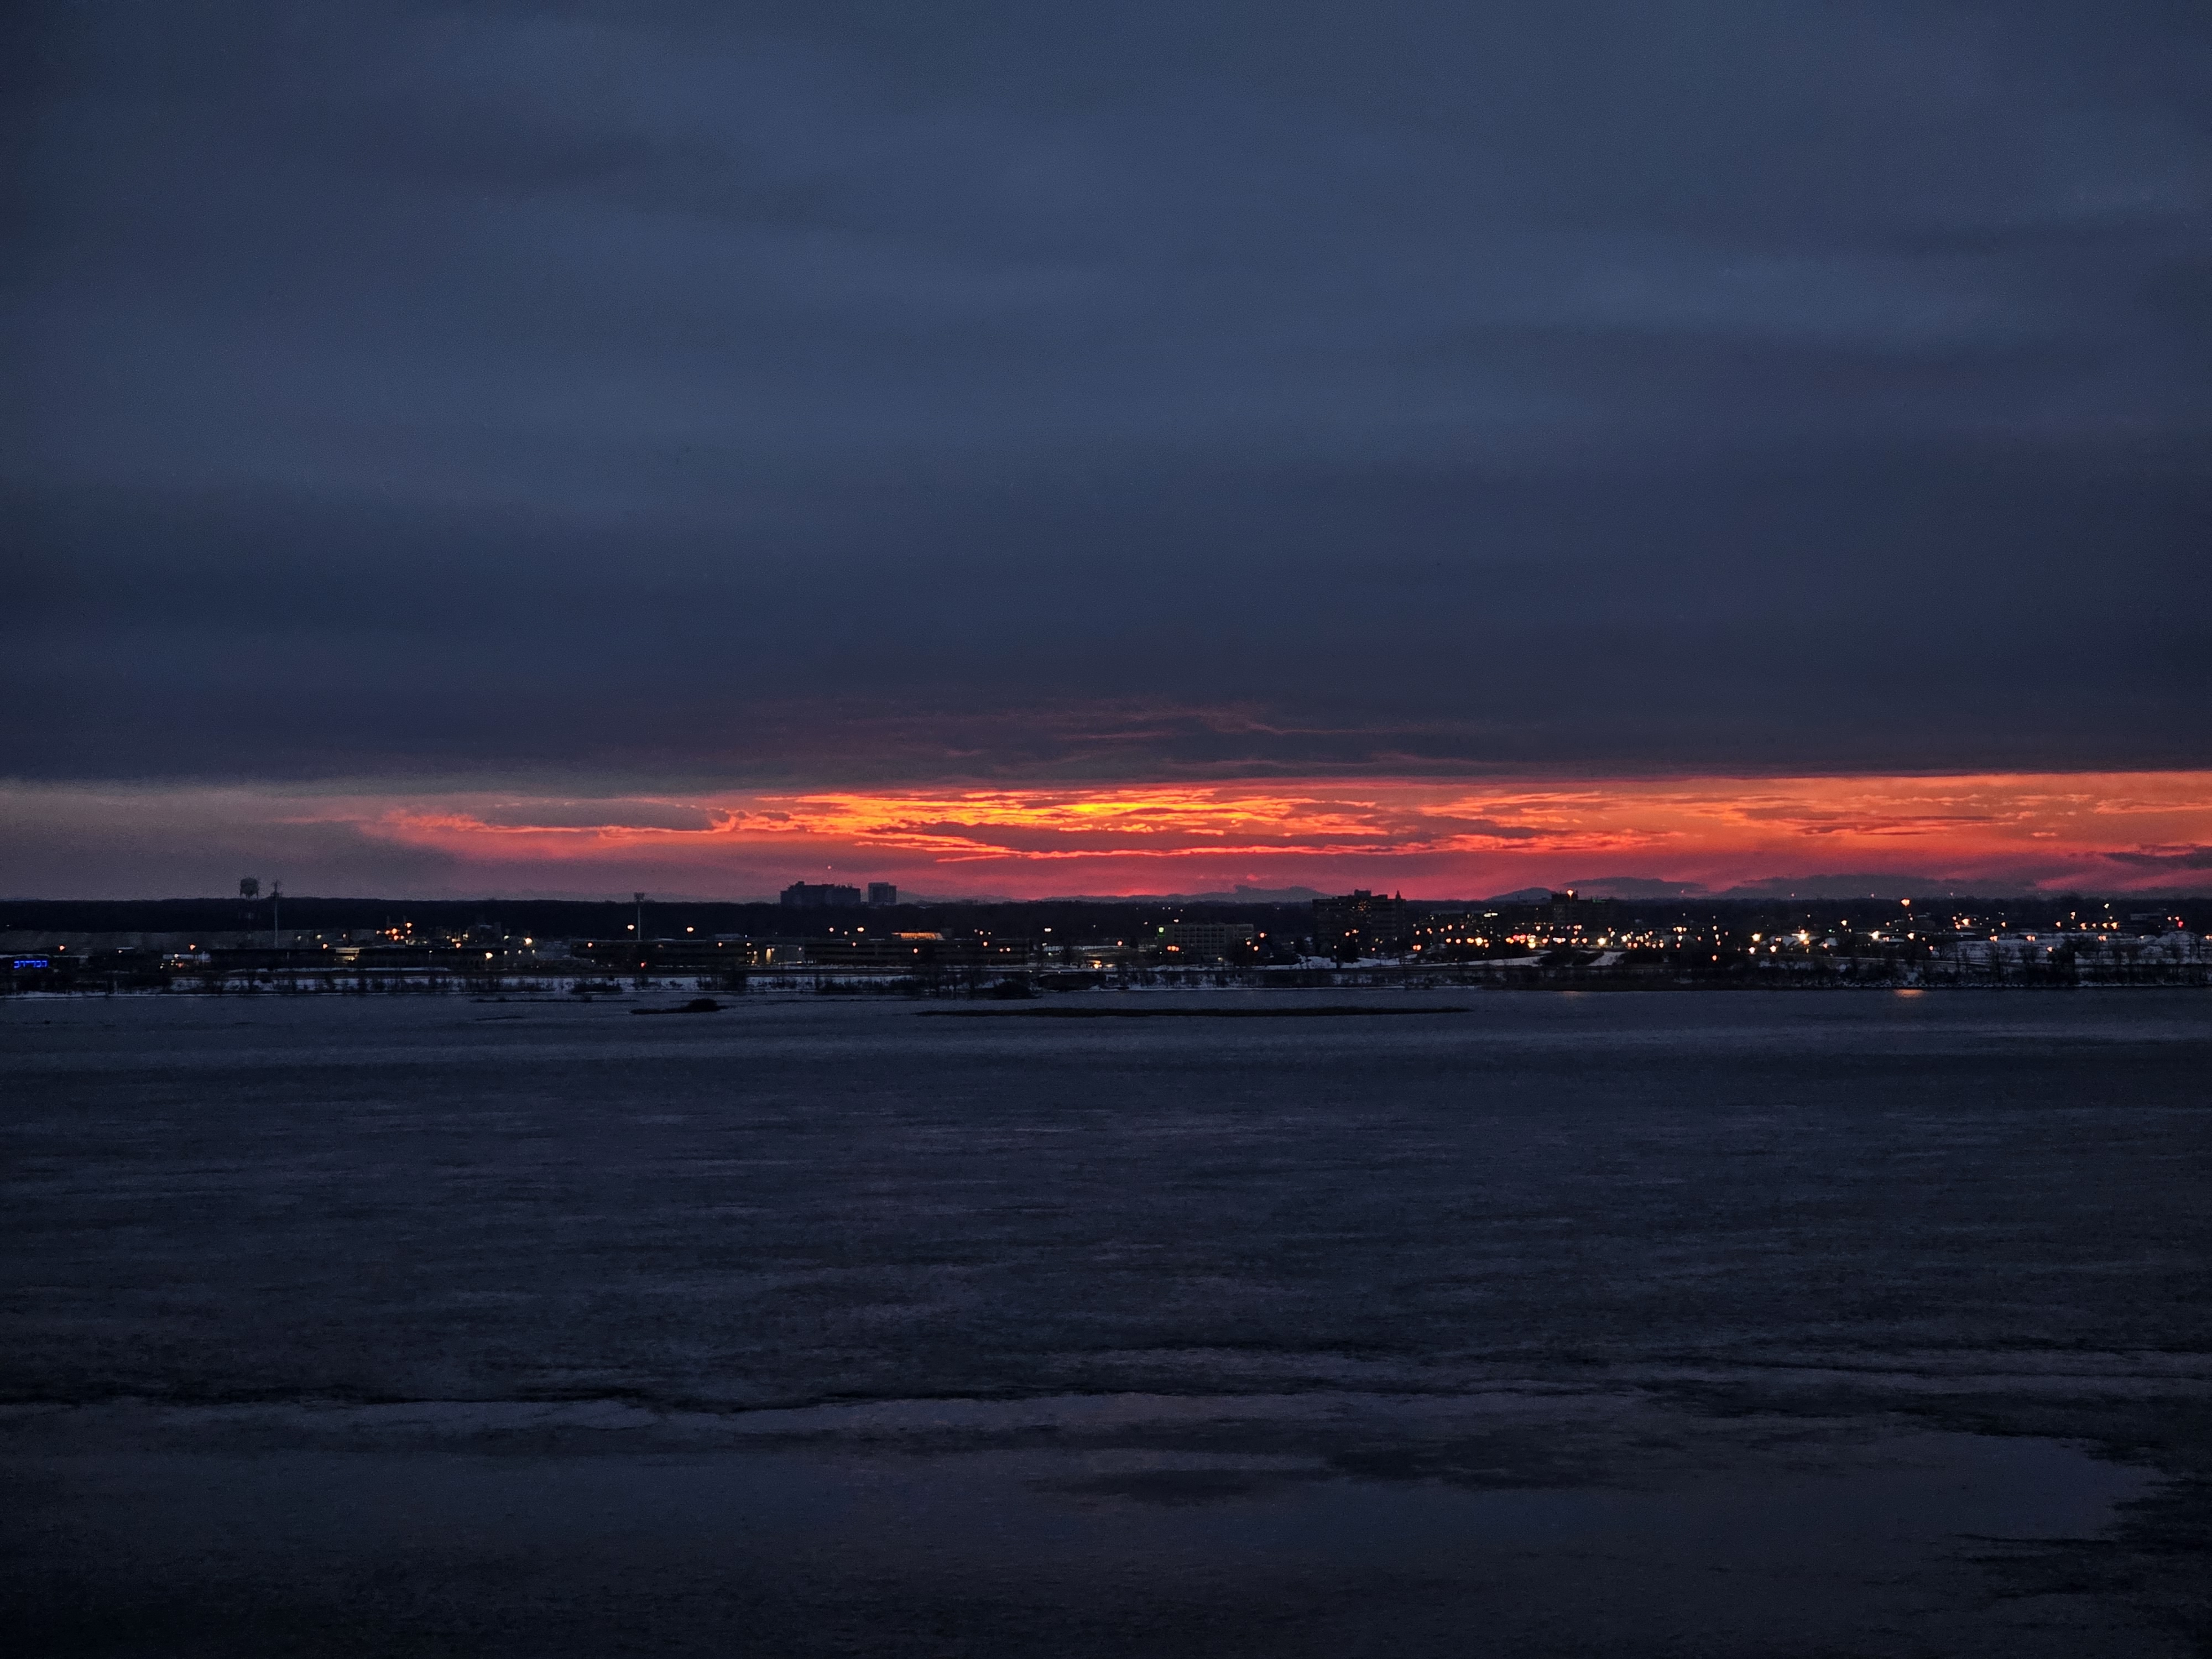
{"x":882,"y":892}
{"x":1207,"y":941}
{"x":819,"y":895}
{"x":1572,"y":912}
{"x":1360,"y":924}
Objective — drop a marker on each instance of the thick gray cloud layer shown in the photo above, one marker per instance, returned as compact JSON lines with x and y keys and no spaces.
{"x":889,"y":391}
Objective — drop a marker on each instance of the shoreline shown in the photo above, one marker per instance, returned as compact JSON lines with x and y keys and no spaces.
{"x":565,"y":991}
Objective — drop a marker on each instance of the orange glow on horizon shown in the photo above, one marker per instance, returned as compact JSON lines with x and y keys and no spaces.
{"x":2108,"y":830}
{"x":1430,"y":838}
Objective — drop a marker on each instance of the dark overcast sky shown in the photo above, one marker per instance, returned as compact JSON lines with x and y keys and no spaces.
{"x":837,"y":392}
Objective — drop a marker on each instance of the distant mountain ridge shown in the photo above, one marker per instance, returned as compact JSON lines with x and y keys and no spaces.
{"x":1241,"y":895}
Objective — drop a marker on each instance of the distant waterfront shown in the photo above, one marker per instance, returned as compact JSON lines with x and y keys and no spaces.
{"x":1549,"y":941}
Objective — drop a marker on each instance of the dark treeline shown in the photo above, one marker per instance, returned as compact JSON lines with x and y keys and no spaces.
{"x":1072,"y":920}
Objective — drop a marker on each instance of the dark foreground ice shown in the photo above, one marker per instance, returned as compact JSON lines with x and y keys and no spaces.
{"x":1727,"y":1324}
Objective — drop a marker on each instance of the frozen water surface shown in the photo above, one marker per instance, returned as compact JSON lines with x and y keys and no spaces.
{"x":1668,"y":1323}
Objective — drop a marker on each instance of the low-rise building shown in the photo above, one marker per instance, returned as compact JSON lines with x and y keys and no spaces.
{"x":1207,"y":941}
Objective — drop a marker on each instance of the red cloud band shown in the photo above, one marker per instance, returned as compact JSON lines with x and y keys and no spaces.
{"x":2111,"y":831}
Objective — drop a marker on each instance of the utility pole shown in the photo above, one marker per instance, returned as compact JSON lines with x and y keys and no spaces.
{"x":641,"y":958}
{"x":276,"y":911}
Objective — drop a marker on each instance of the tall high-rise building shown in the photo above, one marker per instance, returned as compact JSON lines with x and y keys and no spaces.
{"x":882,"y":892}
